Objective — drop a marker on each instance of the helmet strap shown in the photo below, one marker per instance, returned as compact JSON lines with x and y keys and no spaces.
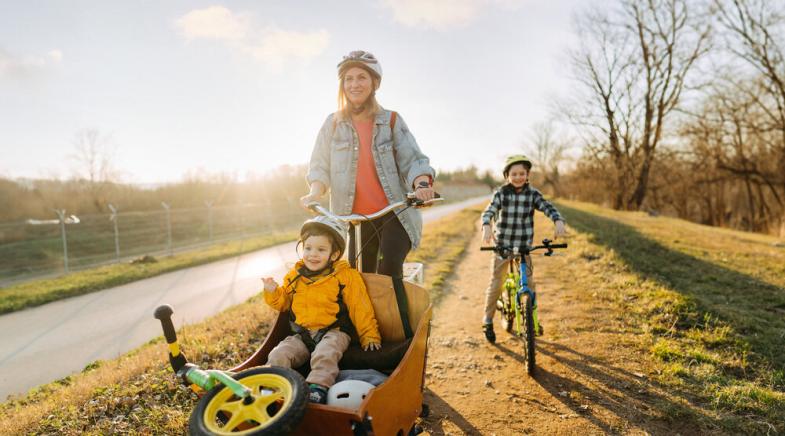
{"x":305,"y":272}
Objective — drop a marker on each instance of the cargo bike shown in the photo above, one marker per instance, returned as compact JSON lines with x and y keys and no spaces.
{"x":251,"y":399}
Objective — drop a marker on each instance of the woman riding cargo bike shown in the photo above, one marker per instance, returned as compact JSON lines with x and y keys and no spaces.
{"x":368,"y":160}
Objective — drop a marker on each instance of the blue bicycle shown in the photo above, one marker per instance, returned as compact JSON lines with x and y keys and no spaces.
{"x":518,"y":303}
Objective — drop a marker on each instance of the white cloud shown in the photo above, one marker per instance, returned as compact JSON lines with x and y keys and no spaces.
{"x":275,"y":46}
{"x":24,"y":67}
{"x":270,"y":45}
{"x":215,"y":22}
{"x":55,"y":55}
{"x":442,"y":14}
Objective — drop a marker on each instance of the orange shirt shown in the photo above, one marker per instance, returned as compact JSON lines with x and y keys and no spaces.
{"x":369,"y":195}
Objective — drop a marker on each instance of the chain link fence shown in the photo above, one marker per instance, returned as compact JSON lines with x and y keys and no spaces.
{"x":39,"y":248}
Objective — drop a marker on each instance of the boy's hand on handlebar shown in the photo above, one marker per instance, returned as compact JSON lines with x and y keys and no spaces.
{"x":487,"y":234}
{"x":269,"y":284}
{"x":560,"y":230}
{"x":372,"y":346}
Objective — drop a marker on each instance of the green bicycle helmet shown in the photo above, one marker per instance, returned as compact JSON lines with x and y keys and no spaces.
{"x":516,"y":159}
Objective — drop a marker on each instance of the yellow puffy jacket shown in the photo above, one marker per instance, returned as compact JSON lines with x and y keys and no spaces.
{"x":315,"y":301}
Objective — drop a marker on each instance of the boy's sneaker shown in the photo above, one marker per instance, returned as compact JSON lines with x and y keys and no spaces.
{"x":318,"y":394}
{"x":489,"y":333}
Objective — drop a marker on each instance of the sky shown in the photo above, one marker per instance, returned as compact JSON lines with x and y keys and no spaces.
{"x":241,"y":87}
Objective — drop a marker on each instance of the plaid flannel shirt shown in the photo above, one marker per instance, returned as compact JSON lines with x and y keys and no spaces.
{"x":514,"y":214}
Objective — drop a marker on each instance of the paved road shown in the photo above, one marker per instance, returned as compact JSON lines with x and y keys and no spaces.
{"x":49,"y":342}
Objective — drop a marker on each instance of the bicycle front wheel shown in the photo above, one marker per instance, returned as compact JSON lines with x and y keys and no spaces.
{"x":275,"y":407}
{"x":506,"y":310}
{"x":527,"y":333}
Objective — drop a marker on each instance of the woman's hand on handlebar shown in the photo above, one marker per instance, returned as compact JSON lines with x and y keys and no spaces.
{"x":305,"y":200}
{"x":423,"y":189}
{"x":424,"y":194}
{"x":317,"y":190}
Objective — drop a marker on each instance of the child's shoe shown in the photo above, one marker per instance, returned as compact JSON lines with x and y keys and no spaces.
{"x":489,"y":333}
{"x":318,"y":394}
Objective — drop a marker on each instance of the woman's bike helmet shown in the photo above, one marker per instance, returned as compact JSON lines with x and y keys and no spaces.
{"x":334,"y":227}
{"x":348,"y":394}
{"x":360,"y":58}
{"x":516,"y":159}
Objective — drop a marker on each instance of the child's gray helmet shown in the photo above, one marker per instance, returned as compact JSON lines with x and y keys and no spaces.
{"x":335,"y":228}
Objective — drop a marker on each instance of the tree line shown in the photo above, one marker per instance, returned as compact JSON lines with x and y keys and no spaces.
{"x":679,"y":107}
{"x":38,"y":198}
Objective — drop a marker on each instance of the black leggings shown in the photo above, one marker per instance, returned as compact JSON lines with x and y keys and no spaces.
{"x":383,"y":253}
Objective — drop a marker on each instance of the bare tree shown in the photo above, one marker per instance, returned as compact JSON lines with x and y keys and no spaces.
{"x":633,"y":67}
{"x":93,"y":164}
{"x":549,"y":153}
{"x":755,"y":33}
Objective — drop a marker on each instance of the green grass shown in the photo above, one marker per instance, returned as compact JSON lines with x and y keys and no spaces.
{"x":137,"y":393}
{"x":39,"y":292}
{"x":443,"y":243}
{"x":708,"y":304}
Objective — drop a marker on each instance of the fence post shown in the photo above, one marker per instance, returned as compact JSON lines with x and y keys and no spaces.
{"x":113,"y":218}
{"x":209,"y":205}
{"x":168,"y":227}
{"x":61,"y":215}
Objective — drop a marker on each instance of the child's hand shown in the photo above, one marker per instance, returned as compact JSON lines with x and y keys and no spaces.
{"x":487,"y":234}
{"x":372,"y":346}
{"x":269,"y":284}
{"x":559,"y":230}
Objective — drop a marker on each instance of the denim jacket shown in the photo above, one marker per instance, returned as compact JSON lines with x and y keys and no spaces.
{"x":397,"y":157}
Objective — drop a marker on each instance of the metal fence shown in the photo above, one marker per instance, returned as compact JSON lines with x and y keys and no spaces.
{"x":38,"y":248}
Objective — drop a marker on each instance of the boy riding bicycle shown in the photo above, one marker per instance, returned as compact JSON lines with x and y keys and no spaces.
{"x":512,"y":208}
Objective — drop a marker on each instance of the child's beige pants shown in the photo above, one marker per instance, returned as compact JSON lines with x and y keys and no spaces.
{"x":499,"y":271}
{"x":292,"y":353}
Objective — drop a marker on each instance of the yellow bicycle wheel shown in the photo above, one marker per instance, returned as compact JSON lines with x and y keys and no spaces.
{"x":277,"y":404}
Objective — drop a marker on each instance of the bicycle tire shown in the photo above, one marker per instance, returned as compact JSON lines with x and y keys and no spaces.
{"x":280,"y":417}
{"x":528,"y":330}
{"x":506,"y":311}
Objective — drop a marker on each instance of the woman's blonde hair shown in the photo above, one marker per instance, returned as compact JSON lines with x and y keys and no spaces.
{"x":371,"y":105}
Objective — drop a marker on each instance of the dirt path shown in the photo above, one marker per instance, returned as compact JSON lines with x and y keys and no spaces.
{"x":588,"y":381}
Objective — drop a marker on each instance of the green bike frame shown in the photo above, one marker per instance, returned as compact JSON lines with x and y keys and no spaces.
{"x":515,"y":286}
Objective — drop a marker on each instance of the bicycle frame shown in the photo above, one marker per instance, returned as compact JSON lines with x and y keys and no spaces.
{"x":356,"y":219}
{"x":516,"y":286}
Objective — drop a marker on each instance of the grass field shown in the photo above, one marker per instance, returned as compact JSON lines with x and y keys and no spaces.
{"x":707,"y":304}
{"x":138,"y":393}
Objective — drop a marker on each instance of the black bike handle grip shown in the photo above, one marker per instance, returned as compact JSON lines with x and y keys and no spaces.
{"x":164,"y":314}
{"x":487,"y":248}
{"x":564,"y":245}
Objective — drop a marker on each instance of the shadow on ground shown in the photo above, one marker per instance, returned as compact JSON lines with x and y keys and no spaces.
{"x":627,"y":396}
{"x":441,"y":411}
{"x":751,"y":306}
